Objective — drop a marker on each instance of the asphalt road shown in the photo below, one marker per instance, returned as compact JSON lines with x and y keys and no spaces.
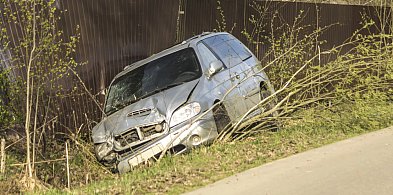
{"x":361,"y":165}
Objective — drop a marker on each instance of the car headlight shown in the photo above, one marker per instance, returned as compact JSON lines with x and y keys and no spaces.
{"x":185,"y":112}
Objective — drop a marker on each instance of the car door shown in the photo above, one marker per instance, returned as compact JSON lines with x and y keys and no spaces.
{"x":218,"y":85}
{"x":250,"y":83}
{"x":218,"y":44}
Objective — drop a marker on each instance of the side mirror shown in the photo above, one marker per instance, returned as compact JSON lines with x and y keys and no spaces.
{"x":215,"y":67}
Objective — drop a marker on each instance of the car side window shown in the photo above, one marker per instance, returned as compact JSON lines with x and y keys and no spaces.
{"x":221,"y":47}
{"x":240,"y":49}
{"x":207,"y":55}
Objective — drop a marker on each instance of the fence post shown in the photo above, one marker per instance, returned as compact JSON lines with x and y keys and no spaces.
{"x":68,"y":166}
{"x":2,"y":160}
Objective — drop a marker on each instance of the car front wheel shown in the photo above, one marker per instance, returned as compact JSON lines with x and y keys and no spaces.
{"x":221,"y":117}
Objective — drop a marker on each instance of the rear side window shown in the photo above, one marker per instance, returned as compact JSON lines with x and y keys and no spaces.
{"x":240,"y":49}
{"x":230,"y":50}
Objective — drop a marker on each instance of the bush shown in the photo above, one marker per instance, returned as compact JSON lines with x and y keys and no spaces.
{"x":359,"y":69}
{"x":5,"y":107}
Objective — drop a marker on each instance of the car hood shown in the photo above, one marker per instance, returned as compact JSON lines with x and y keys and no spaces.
{"x":153,"y":109}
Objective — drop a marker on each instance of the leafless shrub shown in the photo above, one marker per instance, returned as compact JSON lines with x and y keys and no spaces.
{"x":302,"y":81}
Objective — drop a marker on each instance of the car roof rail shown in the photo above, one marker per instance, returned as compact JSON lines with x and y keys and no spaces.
{"x":196,"y":36}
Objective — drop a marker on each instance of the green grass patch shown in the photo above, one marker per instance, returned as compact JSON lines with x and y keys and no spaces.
{"x":307,"y":129}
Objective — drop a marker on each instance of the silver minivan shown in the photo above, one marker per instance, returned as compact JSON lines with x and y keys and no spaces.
{"x":178,"y":99}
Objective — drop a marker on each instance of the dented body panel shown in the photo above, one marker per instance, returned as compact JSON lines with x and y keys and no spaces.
{"x":182,"y":137}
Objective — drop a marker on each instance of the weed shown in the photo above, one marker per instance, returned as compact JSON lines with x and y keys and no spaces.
{"x":308,"y":128}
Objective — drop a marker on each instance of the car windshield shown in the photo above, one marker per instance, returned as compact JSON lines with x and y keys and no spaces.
{"x":153,"y":77}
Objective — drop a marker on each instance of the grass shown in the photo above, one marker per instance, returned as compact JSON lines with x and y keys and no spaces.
{"x":307,"y":129}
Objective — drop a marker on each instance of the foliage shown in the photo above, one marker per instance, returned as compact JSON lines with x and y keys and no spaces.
{"x":5,"y":110}
{"x":307,"y":129}
{"x":52,"y":54}
{"x":41,"y":58}
{"x":290,"y":43}
{"x":221,"y":21}
{"x":359,"y":68}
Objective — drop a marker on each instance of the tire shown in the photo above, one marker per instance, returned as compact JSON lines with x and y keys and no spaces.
{"x":221,"y":117}
{"x":264,"y":94}
{"x":274,"y":124}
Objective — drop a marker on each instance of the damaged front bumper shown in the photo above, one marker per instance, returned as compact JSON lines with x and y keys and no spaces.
{"x":180,"y":139}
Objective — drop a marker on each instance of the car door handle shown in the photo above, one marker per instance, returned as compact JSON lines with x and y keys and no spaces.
{"x":236,"y":76}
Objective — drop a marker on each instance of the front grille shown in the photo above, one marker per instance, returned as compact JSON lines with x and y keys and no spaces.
{"x":128,"y":138}
{"x":140,"y":134}
{"x":149,"y":130}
